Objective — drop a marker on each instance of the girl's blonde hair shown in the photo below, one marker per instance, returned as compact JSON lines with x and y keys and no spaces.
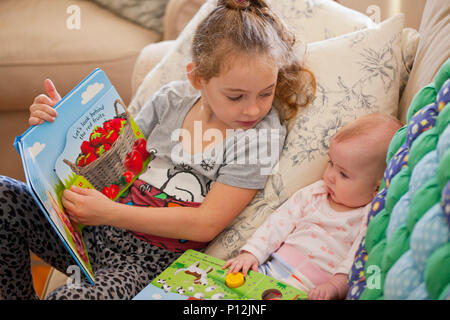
{"x":251,"y":27}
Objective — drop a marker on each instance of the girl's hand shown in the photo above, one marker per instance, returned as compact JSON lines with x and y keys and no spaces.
{"x":42,"y":108}
{"x":244,"y":261}
{"x":87,"y":206}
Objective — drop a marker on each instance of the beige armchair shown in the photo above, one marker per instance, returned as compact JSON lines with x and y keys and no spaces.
{"x":39,"y":42}
{"x":432,"y":51}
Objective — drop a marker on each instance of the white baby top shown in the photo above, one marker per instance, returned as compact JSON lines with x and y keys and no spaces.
{"x":307,"y":223}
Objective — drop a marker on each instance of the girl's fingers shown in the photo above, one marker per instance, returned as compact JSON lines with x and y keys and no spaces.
{"x":67,"y":203}
{"x":51,"y":91}
{"x":81,"y":191}
{"x":42,"y":115}
{"x":43,"y":99}
{"x":71,"y":196}
{"x":35,"y":121}
{"x":43,"y":107}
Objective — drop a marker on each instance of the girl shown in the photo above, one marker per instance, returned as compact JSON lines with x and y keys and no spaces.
{"x":242,"y":63}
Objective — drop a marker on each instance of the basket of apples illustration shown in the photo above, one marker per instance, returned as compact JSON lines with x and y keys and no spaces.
{"x":112,"y":156}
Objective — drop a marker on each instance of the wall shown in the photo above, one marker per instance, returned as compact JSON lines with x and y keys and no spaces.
{"x":387,"y":8}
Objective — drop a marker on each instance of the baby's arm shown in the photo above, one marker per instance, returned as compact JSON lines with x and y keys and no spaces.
{"x":335,"y":289}
{"x":244,"y":261}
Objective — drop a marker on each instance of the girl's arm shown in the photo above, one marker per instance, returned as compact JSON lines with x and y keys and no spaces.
{"x":220,"y":206}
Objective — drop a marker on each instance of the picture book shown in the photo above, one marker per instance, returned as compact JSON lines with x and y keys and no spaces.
{"x":93,"y":143}
{"x":195,"y":275}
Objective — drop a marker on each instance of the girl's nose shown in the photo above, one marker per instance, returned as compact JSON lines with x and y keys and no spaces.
{"x":251,"y":110}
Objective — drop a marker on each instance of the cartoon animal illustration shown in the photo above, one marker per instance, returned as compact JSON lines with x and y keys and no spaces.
{"x":218,"y":296}
{"x":199,"y":274}
{"x":210,"y":288}
{"x":199,"y":295}
{"x":180,"y":290}
{"x":168,"y":178}
{"x":166,"y":287}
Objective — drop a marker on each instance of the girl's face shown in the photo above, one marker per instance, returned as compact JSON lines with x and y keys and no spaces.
{"x":350,"y":176}
{"x":242,"y":95}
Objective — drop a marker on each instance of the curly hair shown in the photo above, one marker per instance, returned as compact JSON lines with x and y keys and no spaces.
{"x":251,"y":27}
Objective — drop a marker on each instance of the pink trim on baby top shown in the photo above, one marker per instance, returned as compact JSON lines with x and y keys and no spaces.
{"x":303,"y":264}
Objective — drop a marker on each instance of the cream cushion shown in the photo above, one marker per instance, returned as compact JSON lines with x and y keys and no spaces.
{"x":357,"y":73}
{"x":433,"y":50}
{"x":311,"y":20}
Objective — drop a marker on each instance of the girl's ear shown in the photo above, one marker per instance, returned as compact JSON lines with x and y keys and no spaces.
{"x":193,"y":77}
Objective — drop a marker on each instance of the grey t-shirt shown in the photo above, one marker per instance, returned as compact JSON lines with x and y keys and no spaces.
{"x":243,"y":159}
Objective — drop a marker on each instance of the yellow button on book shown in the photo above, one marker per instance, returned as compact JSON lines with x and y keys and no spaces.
{"x":234,"y":280}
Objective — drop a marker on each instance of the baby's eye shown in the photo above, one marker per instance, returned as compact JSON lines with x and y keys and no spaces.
{"x":237,"y":98}
{"x":344,"y":175}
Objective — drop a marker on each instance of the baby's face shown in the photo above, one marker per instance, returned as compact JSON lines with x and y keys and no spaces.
{"x":350,"y":177}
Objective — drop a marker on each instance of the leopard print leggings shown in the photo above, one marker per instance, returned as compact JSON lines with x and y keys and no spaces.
{"x":123,"y":264}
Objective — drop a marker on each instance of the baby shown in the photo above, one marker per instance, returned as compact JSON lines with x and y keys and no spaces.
{"x":310,"y":241}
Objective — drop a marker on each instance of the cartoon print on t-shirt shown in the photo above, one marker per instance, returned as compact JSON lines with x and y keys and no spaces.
{"x":168,"y":178}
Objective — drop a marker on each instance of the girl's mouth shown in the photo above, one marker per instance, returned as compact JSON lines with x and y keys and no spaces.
{"x":247,"y":123}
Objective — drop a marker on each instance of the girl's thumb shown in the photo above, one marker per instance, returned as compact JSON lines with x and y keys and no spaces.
{"x":51,"y":90}
{"x":82,"y":191}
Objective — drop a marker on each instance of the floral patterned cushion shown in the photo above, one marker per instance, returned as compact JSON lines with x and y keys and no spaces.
{"x":147,"y":13}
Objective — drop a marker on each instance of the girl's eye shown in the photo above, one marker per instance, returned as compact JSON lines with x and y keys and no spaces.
{"x":344,"y":175}
{"x":266,"y":94}
{"x":330,"y":163}
{"x":235,"y":98}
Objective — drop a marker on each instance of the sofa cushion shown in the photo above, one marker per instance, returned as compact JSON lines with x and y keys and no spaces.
{"x":147,"y":13}
{"x":310,"y":20}
{"x":433,"y":50}
{"x":42,"y":43}
{"x":407,"y":240}
{"x":177,"y":16}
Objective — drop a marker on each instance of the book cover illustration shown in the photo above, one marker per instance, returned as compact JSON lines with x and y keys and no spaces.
{"x":93,"y":143}
{"x":198,"y":275}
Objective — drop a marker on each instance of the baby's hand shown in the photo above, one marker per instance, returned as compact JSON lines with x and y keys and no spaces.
{"x":42,"y":108}
{"x":326,"y":291}
{"x":244,"y":261}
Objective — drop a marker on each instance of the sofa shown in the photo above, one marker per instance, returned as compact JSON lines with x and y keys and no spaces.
{"x":65,"y":40}
{"x":428,"y":49}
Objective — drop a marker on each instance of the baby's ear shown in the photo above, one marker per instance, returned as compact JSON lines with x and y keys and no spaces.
{"x":377,"y":186}
{"x":193,"y":77}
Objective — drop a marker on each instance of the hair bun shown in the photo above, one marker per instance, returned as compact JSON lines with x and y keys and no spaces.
{"x":237,"y":4}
